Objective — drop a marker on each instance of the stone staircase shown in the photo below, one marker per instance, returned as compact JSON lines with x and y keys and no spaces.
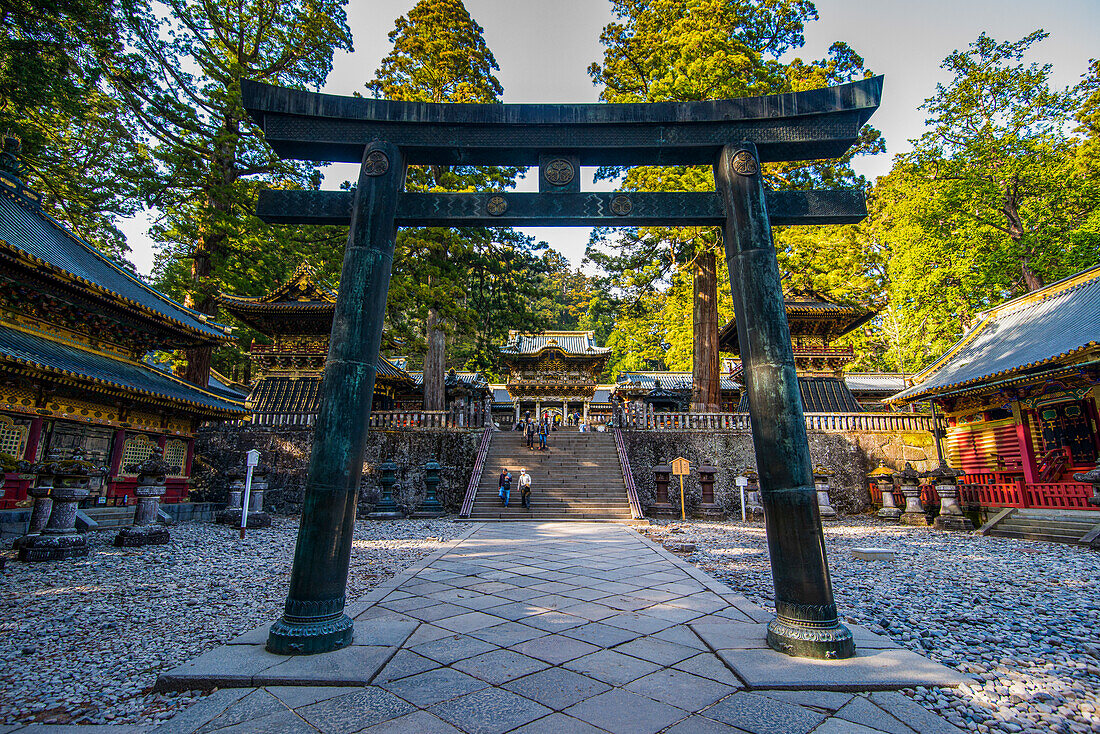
{"x":1055,"y":526}
{"x":578,"y":477}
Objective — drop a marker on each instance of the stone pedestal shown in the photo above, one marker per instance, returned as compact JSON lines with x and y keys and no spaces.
{"x":909,"y":479}
{"x":951,"y":516}
{"x":257,"y":516}
{"x":387,"y":509}
{"x":754,"y":508}
{"x":883,"y":477}
{"x":890,"y":510}
{"x":431,"y":506}
{"x":707,"y":508}
{"x":821,"y":486}
{"x":231,"y":515}
{"x":43,"y":503}
{"x":60,"y":540}
{"x":661,"y":507}
{"x":151,"y":477}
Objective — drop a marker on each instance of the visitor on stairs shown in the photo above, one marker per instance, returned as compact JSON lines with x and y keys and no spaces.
{"x":525,"y":488}
{"x":505,"y":486}
{"x":544,"y":431}
{"x":530,"y":434}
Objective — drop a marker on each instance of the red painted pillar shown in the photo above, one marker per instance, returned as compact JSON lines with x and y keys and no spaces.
{"x":117,"y":446}
{"x":34,"y":436}
{"x":1027,"y":451}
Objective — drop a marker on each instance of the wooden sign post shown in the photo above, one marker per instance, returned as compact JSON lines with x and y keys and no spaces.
{"x":680,"y":468}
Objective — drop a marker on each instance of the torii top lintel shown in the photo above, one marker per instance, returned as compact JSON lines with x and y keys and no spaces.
{"x":815,"y":124}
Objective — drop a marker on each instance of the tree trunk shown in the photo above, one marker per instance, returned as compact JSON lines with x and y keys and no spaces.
{"x":435,"y":397}
{"x":1011,"y":209}
{"x":706,"y":383}
{"x":212,"y":242}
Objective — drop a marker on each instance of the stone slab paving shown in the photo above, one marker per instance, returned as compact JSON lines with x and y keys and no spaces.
{"x":555,"y":627}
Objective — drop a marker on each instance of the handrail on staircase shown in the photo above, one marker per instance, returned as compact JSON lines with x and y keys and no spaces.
{"x":475,"y":475}
{"x":628,"y":477}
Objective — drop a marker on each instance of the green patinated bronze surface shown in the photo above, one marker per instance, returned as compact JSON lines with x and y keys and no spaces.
{"x":314,"y":619}
{"x":588,"y":209}
{"x":821,"y":123}
{"x":807,"y":624}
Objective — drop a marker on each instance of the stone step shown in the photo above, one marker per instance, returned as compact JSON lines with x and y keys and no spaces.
{"x":1022,"y":534}
{"x":1047,"y":525}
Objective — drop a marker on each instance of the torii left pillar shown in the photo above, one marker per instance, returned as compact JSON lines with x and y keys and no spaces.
{"x":313,"y":620}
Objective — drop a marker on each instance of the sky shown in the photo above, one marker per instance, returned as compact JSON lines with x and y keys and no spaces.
{"x":544,"y":48}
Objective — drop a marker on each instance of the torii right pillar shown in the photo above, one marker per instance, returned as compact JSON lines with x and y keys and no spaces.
{"x":806,"y":623}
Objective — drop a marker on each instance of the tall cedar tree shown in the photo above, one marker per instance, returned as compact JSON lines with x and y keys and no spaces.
{"x":452,"y":277}
{"x":181,"y":81}
{"x":77,"y":146}
{"x":690,"y":50}
{"x":999,"y":154}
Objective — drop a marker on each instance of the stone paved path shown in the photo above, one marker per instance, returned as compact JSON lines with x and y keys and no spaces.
{"x":559,"y":627}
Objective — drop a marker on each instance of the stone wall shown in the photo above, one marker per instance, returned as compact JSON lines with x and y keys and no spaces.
{"x":286,"y":449}
{"x":849,"y":456}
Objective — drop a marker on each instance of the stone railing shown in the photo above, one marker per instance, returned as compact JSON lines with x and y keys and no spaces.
{"x":826,"y":422}
{"x":628,"y":477}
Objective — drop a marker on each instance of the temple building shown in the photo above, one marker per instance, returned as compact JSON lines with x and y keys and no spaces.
{"x":670,"y":392}
{"x":1020,"y":392}
{"x":555,"y":373}
{"x":75,"y":332}
{"x":815,"y":322}
{"x":297,"y":317}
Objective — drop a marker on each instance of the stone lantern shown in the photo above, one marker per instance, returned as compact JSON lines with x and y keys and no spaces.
{"x":909,"y":479}
{"x":43,"y":502}
{"x":151,"y":478}
{"x":231,"y":515}
{"x":753,"y":506}
{"x":387,"y":508}
{"x":431,"y":506}
{"x":883,"y":477}
{"x":821,"y":486}
{"x":951,"y":517}
{"x":661,"y":507}
{"x":59,"y":540}
{"x":707,"y":507}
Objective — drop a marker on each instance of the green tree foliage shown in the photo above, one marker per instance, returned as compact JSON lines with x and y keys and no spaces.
{"x":78,"y":149}
{"x":1000,"y":159}
{"x":998,"y":197}
{"x":180,"y":79}
{"x":470,"y":284}
{"x":689,"y":50}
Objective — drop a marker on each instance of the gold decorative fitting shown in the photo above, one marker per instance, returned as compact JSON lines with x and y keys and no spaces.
{"x":621,"y":205}
{"x":744,"y":163}
{"x":559,"y":172}
{"x":496,"y":205}
{"x":376,"y":163}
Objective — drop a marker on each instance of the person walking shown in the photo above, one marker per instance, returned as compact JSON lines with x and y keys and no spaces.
{"x":544,"y":431}
{"x":530,"y":434}
{"x":505,"y":487}
{"x":525,"y":488}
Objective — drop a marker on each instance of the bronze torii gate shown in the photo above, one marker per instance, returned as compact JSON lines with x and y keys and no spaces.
{"x":735,"y":136}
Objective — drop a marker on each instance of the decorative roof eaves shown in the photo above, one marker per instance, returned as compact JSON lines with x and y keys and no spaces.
{"x":906,"y":396}
{"x":62,"y":274}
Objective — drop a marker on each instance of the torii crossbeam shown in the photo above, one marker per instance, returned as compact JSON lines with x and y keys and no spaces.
{"x":735,"y":136}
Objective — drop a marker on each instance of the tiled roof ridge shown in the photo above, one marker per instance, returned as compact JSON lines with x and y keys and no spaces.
{"x":1020,"y":303}
{"x":140,"y":364}
{"x":95,"y":252}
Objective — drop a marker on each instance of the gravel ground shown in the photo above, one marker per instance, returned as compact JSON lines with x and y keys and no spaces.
{"x":1022,"y":617}
{"x":83,"y":641}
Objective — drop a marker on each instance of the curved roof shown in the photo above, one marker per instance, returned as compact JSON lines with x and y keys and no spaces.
{"x":667,"y":381}
{"x":577,"y":343}
{"x":60,"y":358}
{"x":37,"y":238}
{"x":1056,"y":322}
